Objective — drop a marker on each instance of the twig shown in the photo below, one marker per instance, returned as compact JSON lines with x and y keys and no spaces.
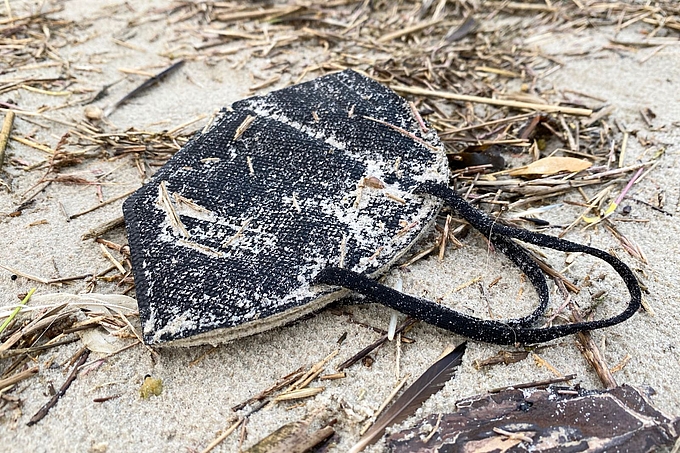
{"x":542,"y":383}
{"x":223,"y":436}
{"x":104,"y":203}
{"x":32,"y":349}
{"x":491,"y":101}
{"x":286,"y":380}
{"x":104,"y":228}
{"x":4,"y":134}
{"x":408,"y":30}
{"x":593,"y":354}
{"x":385,"y":402}
{"x":368,"y":349}
{"x":554,"y":273}
{"x":10,"y":381}
{"x":53,"y":401}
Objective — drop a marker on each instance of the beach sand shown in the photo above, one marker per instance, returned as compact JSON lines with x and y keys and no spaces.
{"x":201,"y":384}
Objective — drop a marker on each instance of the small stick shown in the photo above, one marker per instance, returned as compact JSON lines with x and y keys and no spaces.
{"x":368,"y":349}
{"x":491,"y":101}
{"x":593,"y":354}
{"x":106,"y":398}
{"x":223,"y":436}
{"x":513,"y":435}
{"x":427,"y":438}
{"x":286,"y":380}
{"x":299,"y":393}
{"x":542,"y":383}
{"x":384,"y":404}
{"x":32,"y":349}
{"x":313,"y":372}
{"x":35,"y":145}
{"x":408,"y":30}
{"x":509,"y":119}
{"x":104,"y":228}
{"x":104,"y":203}
{"x":53,"y":401}
{"x":548,"y":269}
{"x":4,"y":134}
{"x":113,"y":260}
{"x":403,"y":132}
{"x":622,"y":364}
{"x":8,"y":382}
{"x":146,"y":84}
{"x":19,"y":351}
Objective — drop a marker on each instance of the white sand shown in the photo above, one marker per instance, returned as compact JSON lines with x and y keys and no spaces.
{"x":195,"y":404}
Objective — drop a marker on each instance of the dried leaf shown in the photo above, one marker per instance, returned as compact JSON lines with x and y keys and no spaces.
{"x":551,"y":166}
{"x":429,"y":383}
{"x":101,"y":304}
{"x":97,"y":341}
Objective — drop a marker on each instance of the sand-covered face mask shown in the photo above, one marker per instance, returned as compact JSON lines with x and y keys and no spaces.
{"x":290,"y":200}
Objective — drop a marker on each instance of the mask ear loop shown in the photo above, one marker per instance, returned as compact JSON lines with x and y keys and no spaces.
{"x":479,"y":329}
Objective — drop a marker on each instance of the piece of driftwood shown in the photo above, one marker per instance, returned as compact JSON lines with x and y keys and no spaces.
{"x":293,"y":437}
{"x":621,"y":419}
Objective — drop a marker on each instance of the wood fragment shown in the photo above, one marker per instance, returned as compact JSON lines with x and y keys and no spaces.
{"x":102,"y":204}
{"x":292,"y":438}
{"x":62,"y":390}
{"x":371,"y":347}
{"x":223,"y":436}
{"x":498,"y":102}
{"x":541,"y":383}
{"x":593,"y":354}
{"x":7,"y":124}
{"x":18,"y":377}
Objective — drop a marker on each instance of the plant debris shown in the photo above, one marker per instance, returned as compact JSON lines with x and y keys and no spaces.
{"x":82,"y":357}
{"x":292,"y":438}
{"x":471,"y":69}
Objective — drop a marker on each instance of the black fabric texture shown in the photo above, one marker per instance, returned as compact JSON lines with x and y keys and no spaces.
{"x":271,"y":194}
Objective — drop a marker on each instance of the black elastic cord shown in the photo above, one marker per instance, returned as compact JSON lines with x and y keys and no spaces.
{"x":480,"y":329}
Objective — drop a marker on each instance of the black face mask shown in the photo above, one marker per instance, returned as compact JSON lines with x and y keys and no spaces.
{"x":291,"y":199}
